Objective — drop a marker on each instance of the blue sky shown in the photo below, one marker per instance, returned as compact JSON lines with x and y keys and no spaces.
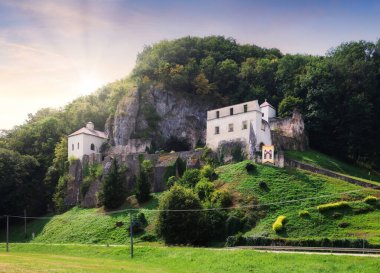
{"x":54,"y":51}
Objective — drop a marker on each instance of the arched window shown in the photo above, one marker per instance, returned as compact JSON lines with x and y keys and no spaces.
{"x":261,"y":146}
{"x":92,"y":147}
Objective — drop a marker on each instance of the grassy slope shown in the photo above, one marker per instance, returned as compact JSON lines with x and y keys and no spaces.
{"x":48,"y":258}
{"x":327,"y":162}
{"x":82,"y":226}
{"x":285,"y":185}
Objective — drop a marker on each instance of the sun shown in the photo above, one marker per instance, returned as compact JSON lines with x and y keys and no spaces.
{"x":89,"y":83}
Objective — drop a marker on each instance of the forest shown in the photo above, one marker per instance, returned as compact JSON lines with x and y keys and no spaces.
{"x":338,"y":94}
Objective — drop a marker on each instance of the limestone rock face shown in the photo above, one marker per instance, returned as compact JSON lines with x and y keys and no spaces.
{"x":159,"y":114}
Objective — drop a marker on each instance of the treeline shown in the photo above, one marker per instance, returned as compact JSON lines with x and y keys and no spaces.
{"x":339,"y":94}
{"x":33,"y":156}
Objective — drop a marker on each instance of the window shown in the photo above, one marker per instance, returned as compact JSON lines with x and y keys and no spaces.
{"x":263,"y":126}
{"x":244,"y":125}
{"x":78,"y":145}
{"x":217,"y":130}
{"x":245,"y":108}
{"x":92,"y":147}
{"x":230,"y":127}
{"x":72,"y":147}
{"x":217,"y":114}
{"x":231,"y":111}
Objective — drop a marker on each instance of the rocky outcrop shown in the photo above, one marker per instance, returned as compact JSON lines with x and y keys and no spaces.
{"x":159,"y":114}
{"x":289,"y":133}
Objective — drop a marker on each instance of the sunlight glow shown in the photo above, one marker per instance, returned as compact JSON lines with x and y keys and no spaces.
{"x":89,"y":83}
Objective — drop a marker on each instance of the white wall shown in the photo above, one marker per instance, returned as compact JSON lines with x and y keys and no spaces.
{"x":268,"y":112}
{"x":85,"y":142}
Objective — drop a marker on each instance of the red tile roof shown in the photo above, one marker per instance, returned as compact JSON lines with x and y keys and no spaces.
{"x":87,"y":131}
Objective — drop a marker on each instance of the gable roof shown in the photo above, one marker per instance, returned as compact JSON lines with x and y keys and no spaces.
{"x":265,"y":103}
{"x":87,"y":131}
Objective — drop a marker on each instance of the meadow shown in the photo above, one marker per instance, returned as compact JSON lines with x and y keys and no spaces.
{"x":95,"y":258}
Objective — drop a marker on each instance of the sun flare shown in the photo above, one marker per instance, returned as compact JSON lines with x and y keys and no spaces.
{"x":89,"y":83}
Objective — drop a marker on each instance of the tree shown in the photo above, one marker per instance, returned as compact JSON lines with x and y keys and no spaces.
{"x":190,"y":178}
{"x":113,"y":191}
{"x":183,"y":227}
{"x":288,"y":104}
{"x":143,"y":181}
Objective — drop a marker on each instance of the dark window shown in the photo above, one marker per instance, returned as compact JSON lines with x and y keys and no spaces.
{"x":244,"y":125}
{"x":72,"y":147}
{"x":217,"y":130}
{"x":245,"y":108}
{"x":217,"y":114}
{"x":230,"y":127}
{"x":78,"y":145}
{"x":92,"y":147}
{"x":231,"y":111}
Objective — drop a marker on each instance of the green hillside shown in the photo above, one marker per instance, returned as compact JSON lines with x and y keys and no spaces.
{"x":330,"y":163}
{"x":287,"y":192}
{"x":286,"y":186}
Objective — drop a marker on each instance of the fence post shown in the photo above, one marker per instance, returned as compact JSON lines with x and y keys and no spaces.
{"x":131,"y":232}
{"x":7,"y":247}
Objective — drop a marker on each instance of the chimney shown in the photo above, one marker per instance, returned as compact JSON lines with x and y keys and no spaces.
{"x":90,"y":126}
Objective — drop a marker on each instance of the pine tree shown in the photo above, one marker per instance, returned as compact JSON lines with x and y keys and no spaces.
{"x":143,"y":181}
{"x":113,"y":191}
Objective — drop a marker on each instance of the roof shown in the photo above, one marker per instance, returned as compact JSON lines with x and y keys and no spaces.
{"x":87,"y":131}
{"x":265,"y":103}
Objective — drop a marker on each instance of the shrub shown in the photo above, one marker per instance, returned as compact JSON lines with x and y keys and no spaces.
{"x":263,"y":185}
{"x":304,"y":213}
{"x":337,"y":215}
{"x":278,"y":225}
{"x":233,"y":225}
{"x":190,"y":178}
{"x":370,"y":199}
{"x":171,"y":181}
{"x":139,"y":222}
{"x":204,"y":189}
{"x":343,"y":224}
{"x":148,"y":237}
{"x":331,"y":206}
{"x":222,"y":198}
{"x":180,"y":227}
{"x":250,"y":167}
{"x":208,"y":172}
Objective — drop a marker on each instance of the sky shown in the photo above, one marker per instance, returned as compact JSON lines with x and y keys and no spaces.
{"x":52,"y":52}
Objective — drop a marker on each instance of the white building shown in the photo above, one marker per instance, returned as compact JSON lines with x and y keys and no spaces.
{"x":85,"y":141}
{"x":245,"y":122}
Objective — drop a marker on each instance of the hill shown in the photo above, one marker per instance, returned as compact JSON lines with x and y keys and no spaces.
{"x":285,"y":192}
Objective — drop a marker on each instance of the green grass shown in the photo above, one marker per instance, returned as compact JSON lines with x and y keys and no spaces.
{"x":89,"y":226}
{"x":327,"y":162}
{"x":81,"y":258}
{"x":290,"y":191}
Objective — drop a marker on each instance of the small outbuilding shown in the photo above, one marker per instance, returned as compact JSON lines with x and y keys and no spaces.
{"x":85,"y":141}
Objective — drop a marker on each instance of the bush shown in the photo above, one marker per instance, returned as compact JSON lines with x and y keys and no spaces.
{"x":304,"y":213}
{"x":343,"y":224}
{"x":171,"y":181}
{"x":263,"y":185}
{"x":143,"y":181}
{"x":204,"y":189}
{"x":337,"y":215}
{"x":331,"y":206}
{"x":208,"y":172}
{"x":278,"y":225}
{"x":148,"y":237}
{"x":370,"y":199}
{"x":221,"y":198}
{"x":250,"y":167}
{"x":190,"y":178}
{"x":139,"y":222}
{"x":233,"y":225}
{"x":180,"y":227}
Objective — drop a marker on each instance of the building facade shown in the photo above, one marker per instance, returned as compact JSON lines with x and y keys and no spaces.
{"x":85,"y":141}
{"x":245,"y":122}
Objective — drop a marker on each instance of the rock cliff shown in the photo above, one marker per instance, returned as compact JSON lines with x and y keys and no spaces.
{"x":159,"y":115}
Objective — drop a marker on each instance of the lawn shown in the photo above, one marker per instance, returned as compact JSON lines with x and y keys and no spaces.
{"x":330,"y":163}
{"x":86,"y":258}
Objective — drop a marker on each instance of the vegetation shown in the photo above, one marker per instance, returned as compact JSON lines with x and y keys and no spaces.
{"x":317,"y":159}
{"x":113,"y":192}
{"x":143,"y":183}
{"x":279,"y":224}
{"x":84,"y":258}
{"x":332,"y":206}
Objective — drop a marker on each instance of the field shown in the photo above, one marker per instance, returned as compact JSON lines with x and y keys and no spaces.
{"x":91,"y":258}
